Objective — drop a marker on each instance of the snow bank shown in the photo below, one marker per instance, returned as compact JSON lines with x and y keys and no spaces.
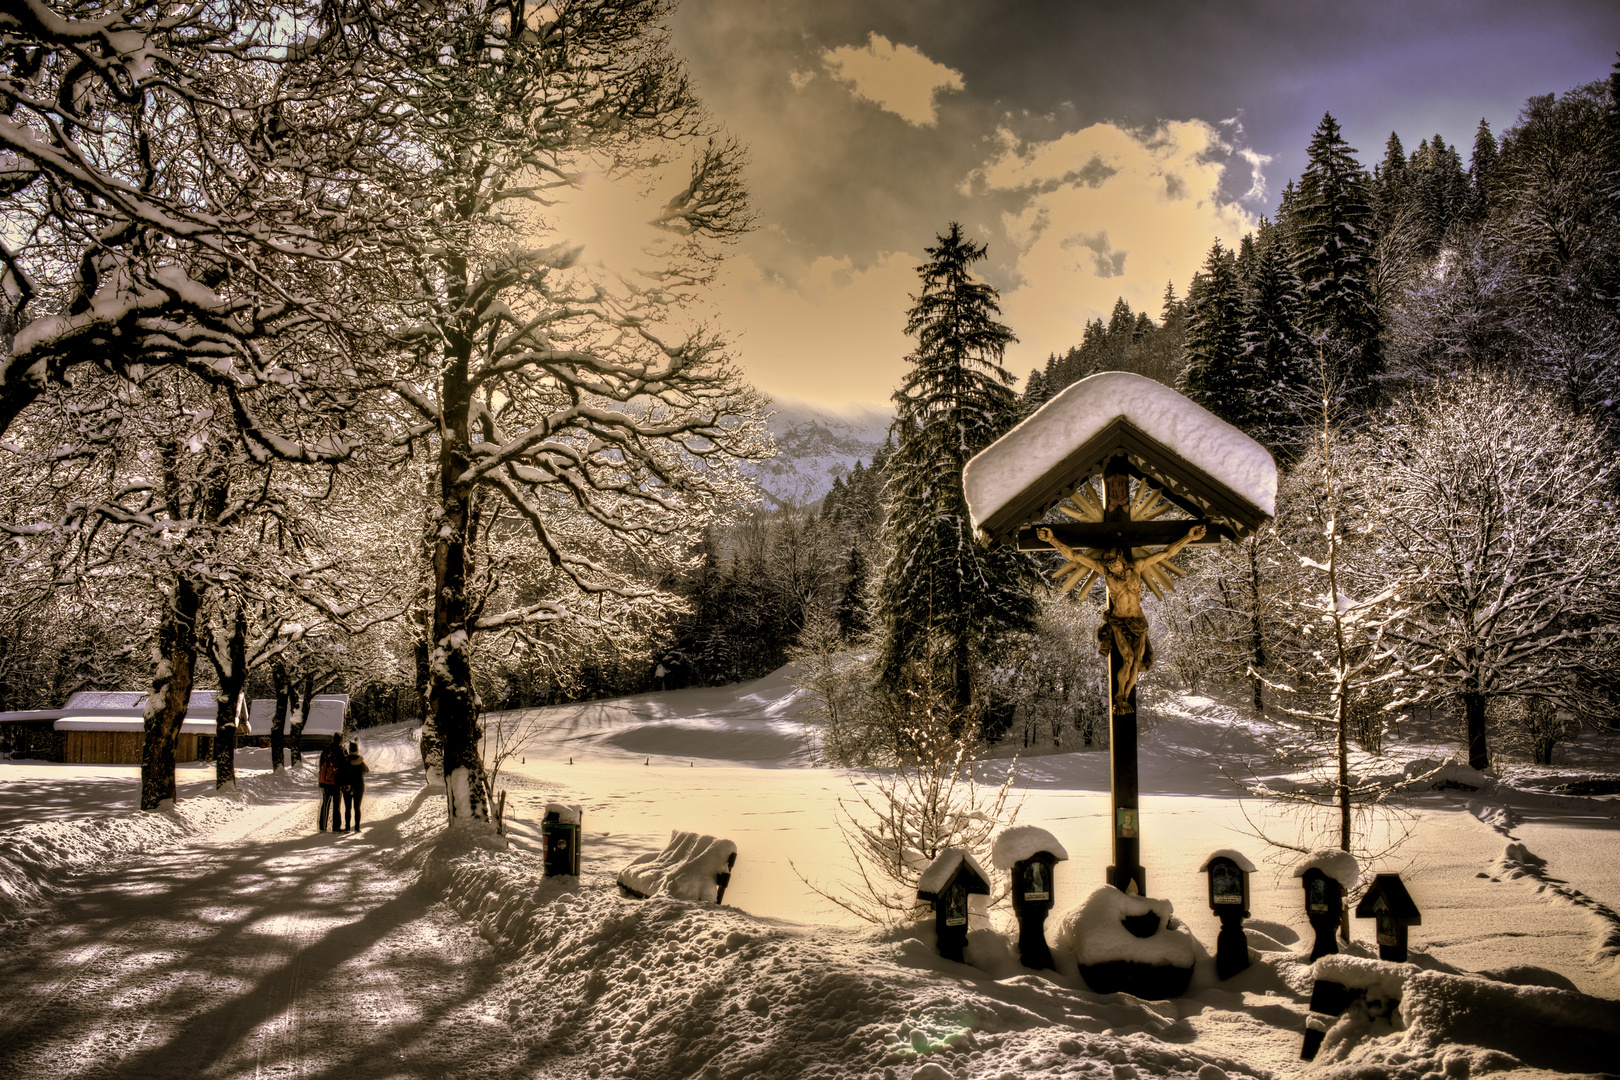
{"x":1228,"y":853}
{"x":1095,"y":932}
{"x":1020,"y":842}
{"x":1029,"y":451}
{"x":1460,"y":1025}
{"x":595,"y":985}
{"x":1341,"y":866}
{"x":944,"y":865}
{"x":1379,"y":978}
{"x":687,"y":869}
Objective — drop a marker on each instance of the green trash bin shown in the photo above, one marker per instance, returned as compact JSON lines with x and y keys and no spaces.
{"x":559,"y":831}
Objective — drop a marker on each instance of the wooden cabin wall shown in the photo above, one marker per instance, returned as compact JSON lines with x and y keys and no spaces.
{"x":117,"y":747}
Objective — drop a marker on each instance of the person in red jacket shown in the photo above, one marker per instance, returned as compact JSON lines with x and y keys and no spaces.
{"x":332,"y":762}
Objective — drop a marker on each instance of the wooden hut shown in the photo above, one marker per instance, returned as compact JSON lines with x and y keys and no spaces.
{"x":106,"y":727}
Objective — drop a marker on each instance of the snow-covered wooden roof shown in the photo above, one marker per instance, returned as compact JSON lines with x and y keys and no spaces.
{"x":327,"y":713}
{"x":1204,"y":465}
{"x":117,"y":710}
{"x":944,"y":867}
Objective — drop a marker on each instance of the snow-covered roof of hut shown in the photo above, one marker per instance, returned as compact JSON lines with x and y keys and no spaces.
{"x":136,"y":724}
{"x":1202,"y":463}
{"x":121,"y":710}
{"x":108,"y":699}
{"x":939,"y":872}
{"x":1019,"y":842}
{"x":91,"y":702}
{"x":1234,"y":854}
{"x":115,"y":711}
{"x":1341,"y":866}
{"x":326,"y":715}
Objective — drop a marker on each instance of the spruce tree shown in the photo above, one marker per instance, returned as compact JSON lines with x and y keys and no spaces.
{"x":1173,"y":310}
{"x":1245,"y":259}
{"x":1332,"y":232}
{"x":1275,"y":349}
{"x":1215,"y":377}
{"x":1481,"y":171}
{"x":945,"y":599}
{"x":1036,"y":393}
{"x":851,"y":611}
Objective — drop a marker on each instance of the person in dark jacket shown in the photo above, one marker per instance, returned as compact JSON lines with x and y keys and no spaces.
{"x":332,"y":759}
{"x":352,"y":781}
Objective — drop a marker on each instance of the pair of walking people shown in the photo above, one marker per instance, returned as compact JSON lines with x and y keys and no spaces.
{"x":342,"y":777}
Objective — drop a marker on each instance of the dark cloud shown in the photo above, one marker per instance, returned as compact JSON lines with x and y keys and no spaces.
{"x":1043,"y":67}
{"x":847,"y":190}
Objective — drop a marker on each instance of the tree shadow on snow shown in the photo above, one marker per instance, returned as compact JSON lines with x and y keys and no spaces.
{"x":295,"y":955}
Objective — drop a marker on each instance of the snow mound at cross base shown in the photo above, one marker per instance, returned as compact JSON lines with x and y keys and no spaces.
{"x":1082,"y":411}
{"x":1095,"y":933}
{"x":687,"y":869}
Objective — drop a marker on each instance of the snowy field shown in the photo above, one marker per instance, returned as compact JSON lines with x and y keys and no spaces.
{"x":228,"y":939}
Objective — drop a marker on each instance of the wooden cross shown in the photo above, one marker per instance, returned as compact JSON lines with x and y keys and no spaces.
{"x":1119,"y":520}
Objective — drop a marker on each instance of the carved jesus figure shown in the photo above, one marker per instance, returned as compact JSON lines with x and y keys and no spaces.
{"x":1124,"y":621}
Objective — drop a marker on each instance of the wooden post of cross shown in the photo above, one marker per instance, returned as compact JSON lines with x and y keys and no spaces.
{"x":1126,"y":873}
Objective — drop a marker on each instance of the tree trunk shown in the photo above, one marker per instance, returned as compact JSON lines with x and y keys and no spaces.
{"x":452,"y":698}
{"x":278,"y":723}
{"x":1474,"y":714}
{"x":1256,"y":639}
{"x":303,"y":718}
{"x":177,"y":637}
{"x":962,"y":685}
{"x":171,"y":692}
{"x":231,"y":683}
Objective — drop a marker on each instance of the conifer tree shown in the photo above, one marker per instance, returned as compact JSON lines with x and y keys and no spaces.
{"x":851,"y":611}
{"x":945,"y":599}
{"x":1173,"y":310}
{"x":1275,"y":349}
{"x":1213,"y":347}
{"x":1392,"y":176}
{"x":1481,"y":171}
{"x":1036,"y":393}
{"x":1245,"y":259}
{"x":1331,"y":221}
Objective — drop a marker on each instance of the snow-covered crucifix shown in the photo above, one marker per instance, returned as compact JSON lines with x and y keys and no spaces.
{"x":1182,"y":457}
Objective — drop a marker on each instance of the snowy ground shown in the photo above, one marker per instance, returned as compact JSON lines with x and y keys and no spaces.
{"x":228,"y":939}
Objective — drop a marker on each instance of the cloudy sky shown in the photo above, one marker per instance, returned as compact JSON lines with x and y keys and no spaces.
{"x":1098,"y":148}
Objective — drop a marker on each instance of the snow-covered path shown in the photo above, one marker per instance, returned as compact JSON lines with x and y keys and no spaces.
{"x":267,"y":949}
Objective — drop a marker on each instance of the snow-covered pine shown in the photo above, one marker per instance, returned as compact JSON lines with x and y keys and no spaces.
{"x":1216,"y":374}
{"x":944,"y":598}
{"x":1331,"y":227}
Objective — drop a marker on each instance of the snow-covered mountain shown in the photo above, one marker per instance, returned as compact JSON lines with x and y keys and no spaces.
{"x":815,"y":443}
